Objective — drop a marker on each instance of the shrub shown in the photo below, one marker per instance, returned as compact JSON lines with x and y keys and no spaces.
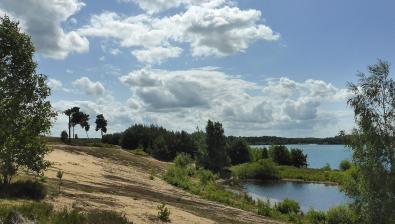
{"x":205,"y":176}
{"x":316,"y":217}
{"x":68,"y":216}
{"x":105,"y":217}
{"x":264,"y":208}
{"x":280,"y":154}
{"x":258,"y":154}
{"x":327,"y":167}
{"x":178,"y":177}
{"x":288,"y":206}
{"x":64,"y":136}
{"x":341,"y":215}
{"x":163,"y":213}
{"x":23,"y":189}
{"x":183,"y":160}
{"x":345,"y":165}
{"x":298,"y":159}
{"x":262,"y":169}
{"x":113,"y":139}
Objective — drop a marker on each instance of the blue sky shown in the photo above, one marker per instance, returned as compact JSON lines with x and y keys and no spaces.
{"x":260,"y":67}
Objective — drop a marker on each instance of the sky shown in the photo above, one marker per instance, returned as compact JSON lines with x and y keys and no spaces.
{"x":260,"y":67}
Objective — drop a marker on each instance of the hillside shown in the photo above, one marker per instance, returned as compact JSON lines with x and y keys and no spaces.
{"x":113,"y":179}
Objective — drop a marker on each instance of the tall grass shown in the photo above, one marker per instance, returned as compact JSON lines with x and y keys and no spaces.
{"x":43,"y":213}
{"x":308,"y":174}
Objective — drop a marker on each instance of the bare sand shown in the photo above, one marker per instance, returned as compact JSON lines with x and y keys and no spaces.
{"x":113,"y":179}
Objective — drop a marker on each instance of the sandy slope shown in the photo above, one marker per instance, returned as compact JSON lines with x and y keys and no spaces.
{"x":98,"y":178}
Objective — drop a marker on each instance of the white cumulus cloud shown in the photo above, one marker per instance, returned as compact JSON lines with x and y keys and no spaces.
{"x":89,"y":87}
{"x":210,"y":28}
{"x":43,"y":21}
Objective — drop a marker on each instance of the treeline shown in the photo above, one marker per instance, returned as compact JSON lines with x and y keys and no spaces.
{"x":210,"y":149}
{"x":274,"y":140}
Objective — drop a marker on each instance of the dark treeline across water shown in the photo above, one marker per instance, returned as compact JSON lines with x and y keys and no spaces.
{"x":274,"y":140}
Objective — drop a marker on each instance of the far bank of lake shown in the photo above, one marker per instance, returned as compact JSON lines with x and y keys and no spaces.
{"x":319,"y":155}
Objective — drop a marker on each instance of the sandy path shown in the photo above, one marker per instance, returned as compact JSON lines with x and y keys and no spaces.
{"x":118,"y":180}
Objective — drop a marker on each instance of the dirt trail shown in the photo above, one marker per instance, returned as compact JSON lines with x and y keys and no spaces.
{"x":113,"y":179}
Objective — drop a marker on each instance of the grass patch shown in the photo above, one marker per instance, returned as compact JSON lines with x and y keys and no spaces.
{"x":43,"y":213}
{"x":308,"y":174}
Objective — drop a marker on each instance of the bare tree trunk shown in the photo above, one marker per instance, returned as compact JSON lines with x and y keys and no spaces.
{"x":69,"y":131}
{"x":87,"y":134}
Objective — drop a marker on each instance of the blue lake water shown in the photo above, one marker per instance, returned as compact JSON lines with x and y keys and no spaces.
{"x":319,"y":155}
{"x":309,"y":195}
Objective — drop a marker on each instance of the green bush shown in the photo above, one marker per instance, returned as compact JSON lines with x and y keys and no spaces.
{"x":264,"y":208}
{"x":23,"y":189}
{"x":205,"y":176}
{"x":262,"y":169}
{"x":183,"y":160}
{"x":327,"y":167}
{"x":258,"y":154}
{"x":280,"y":154}
{"x":104,"y":217}
{"x":340,"y":215}
{"x":163,"y":213}
{"x":64,"y":136}
{"x":345,"y":165}
{"x":316,"y":217}
{"x":288,"y":206}
{"x":178,"y":177}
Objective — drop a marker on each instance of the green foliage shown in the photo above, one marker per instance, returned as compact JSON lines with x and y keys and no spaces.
{"x":262,"y":170}
{"x":316,"y":217}
{"x":258,"y":154}
{"x":309,"y":174}
{"x":183,"y":160}
{"x":106,"y":217}
{"x":280,"y":154}
{"x":372,"y":143}
{"x":44,"y":213}
{"x":341,"y":215}
{"x":238,"y":151}
{"x":113,"y":139}
{"x":288,"y":206}
{"x":298,"y":159}
{"x":64,"y":136}
{"x":216,"y":157}
{"x":264,"y":208}
{"x":101,"y":124}
{"x":345,"y":165}
{"x":23,"y":189}
{"x":25,"y":112}
{"x":157,"y":141}
{"x":178,"y":177}
{"x":327,"y":167}
{"x":163,"y":213}
{"x":59,"y":175}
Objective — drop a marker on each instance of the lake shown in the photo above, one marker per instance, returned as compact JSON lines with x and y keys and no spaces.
{"x":308,"y":195}
{"x":319,"y":155}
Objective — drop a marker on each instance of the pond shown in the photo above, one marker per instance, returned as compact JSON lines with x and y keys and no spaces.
{"x":308,"y":195}
{"x":319,"y":155}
